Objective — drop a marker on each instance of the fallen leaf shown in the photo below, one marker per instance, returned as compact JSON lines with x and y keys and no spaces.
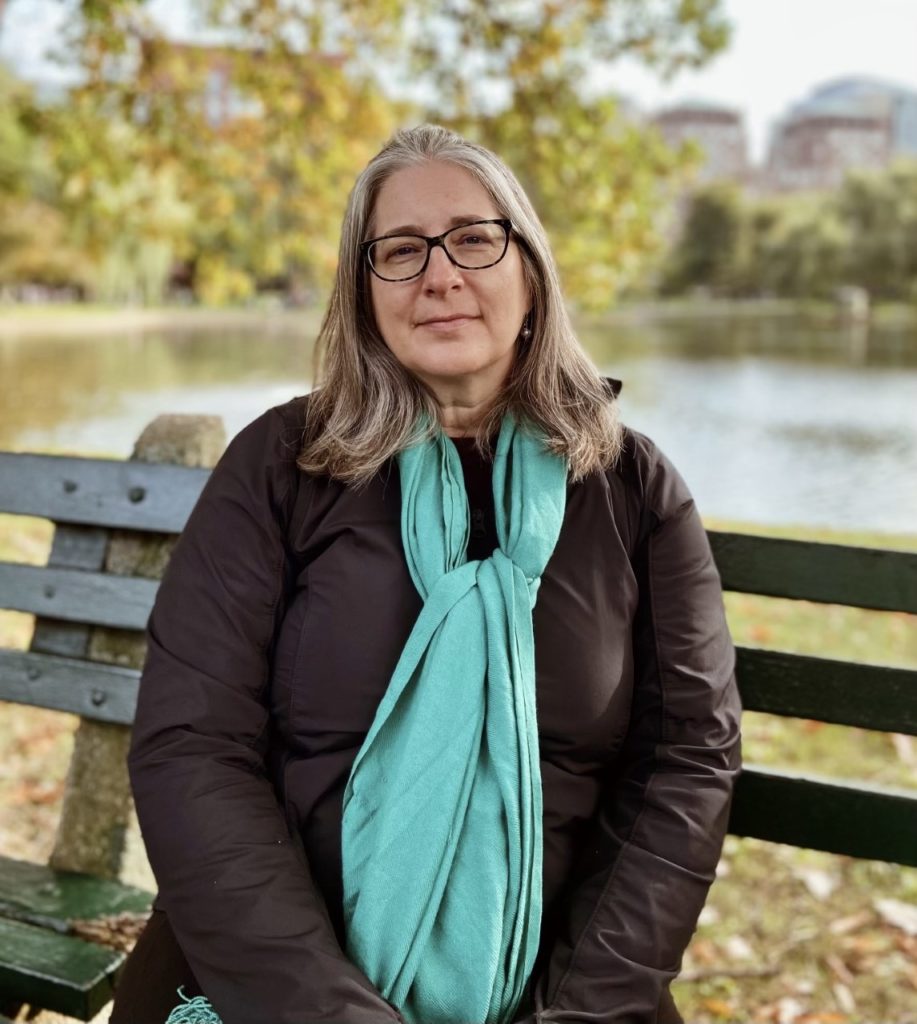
{"x":867,"y":945}
{"x":844,"y":997}
{"x":789,"y":1010}
{"x":819,"y":883}
{"x":709,"y":915}
{"x":898,"y":914}
{"x":904,"y":748}
{"x":839,"y":968}
{"x":844,"y":925}
{"x":703,"y":951}
{"x":719,"y":1008}
{"x":737,"y":948}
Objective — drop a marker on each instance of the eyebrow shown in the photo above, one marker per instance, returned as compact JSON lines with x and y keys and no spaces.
{"x":454,"y":222}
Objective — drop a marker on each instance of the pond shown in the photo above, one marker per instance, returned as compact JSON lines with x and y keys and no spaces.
{"x":770,"y":420}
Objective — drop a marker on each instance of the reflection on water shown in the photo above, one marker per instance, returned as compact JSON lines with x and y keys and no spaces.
{"x":769,"y":420}
{"x":82,"y":395}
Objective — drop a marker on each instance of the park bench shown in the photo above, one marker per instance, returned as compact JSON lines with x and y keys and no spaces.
{"x":114,"y":524}
{"x":65,"y":926}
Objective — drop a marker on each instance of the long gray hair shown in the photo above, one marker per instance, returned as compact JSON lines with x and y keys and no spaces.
{"x":367,"y":405}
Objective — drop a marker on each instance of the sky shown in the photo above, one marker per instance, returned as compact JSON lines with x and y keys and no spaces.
{"x":781,"y":50}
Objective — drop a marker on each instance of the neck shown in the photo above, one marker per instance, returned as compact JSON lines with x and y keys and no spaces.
{"x":461,"y":419}
{"x":463,"y":404}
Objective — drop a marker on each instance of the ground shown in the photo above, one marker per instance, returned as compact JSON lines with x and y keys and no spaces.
{"x":787,"y":937}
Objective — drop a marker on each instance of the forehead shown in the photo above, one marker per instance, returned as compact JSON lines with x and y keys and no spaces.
{"x":427,"y":196}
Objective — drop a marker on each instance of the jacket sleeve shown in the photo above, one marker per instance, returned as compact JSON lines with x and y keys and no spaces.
{"x":236,"y":889}
{"x":652,"y":853}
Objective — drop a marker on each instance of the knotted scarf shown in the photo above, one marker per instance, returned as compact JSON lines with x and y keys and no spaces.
{"x":442,"y":830}
{"x":442,"y":826}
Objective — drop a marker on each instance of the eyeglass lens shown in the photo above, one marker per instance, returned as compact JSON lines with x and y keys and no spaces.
{"x":471,"y":246}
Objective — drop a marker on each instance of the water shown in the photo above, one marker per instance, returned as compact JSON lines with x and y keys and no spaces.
{"x":769,"y":420}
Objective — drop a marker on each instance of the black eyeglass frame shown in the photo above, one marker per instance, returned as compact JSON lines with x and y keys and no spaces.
{"x":438,"y":240}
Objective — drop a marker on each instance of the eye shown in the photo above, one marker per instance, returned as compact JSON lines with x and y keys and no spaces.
{"x":396,"y":250}
{"x":476,"y":236}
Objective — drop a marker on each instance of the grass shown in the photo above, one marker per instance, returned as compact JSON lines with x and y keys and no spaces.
{"x":794,"y":936}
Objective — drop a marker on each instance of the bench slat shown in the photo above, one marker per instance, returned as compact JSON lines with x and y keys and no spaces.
{"x":823,"y":814}
{"x":801,"y":686}
{"x":811,"y":571}
{"x":92,"y":597}
{"x":107,"y":693}
{"x":100,"y":492}
{"x":57,"y":972}
{"x":46,"y":898}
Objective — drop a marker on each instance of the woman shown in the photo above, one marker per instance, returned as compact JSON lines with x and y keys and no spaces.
{"x":352,"y":811}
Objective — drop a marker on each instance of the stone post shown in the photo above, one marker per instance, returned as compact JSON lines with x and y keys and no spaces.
{"x":98,"y":832}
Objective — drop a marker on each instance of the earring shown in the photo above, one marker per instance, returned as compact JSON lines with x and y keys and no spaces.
{"x":526,"y":331}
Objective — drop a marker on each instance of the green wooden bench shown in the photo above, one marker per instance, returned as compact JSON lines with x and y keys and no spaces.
{"x":850,"y":818}
{"x":65,"y":926}
{"x":111,"y":517}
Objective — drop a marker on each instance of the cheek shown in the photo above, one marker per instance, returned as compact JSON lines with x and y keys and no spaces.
{"x":375,"y":301}
{"x":384,"y":311}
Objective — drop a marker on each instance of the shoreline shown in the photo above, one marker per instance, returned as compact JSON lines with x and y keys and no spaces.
{"x":26,"y":321}
{"x":20,"y":321}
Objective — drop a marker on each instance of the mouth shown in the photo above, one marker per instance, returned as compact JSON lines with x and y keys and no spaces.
{"x":447,"y":323}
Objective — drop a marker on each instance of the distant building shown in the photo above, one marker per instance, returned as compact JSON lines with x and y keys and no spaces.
{"x":719,"y":131}
{"x":208,"y":71}
{"x":847,"y":124}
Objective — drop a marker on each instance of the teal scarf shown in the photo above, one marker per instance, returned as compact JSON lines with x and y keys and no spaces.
{"x":441,"y":840}
{"x":442,"y":828}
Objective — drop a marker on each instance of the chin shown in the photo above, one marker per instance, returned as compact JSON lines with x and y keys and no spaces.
{"x":453,"y":370}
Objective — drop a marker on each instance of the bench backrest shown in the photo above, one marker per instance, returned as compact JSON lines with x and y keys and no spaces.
{"x":88,"y":498}
{"x":805,"y":810}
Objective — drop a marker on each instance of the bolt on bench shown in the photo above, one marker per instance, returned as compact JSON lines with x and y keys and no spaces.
{"x":115,"y":523}
{"x":64,"y":927}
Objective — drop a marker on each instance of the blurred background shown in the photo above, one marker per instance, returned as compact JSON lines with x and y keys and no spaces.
{"x":730,"y":188}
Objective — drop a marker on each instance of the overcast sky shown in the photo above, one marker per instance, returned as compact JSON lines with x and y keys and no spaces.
{"x":780,"y":50}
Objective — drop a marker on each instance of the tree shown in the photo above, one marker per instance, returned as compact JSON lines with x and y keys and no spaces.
{"x":879,"y":210}
{"x":709,"y":252}
{"x":33,"y":246}
{"x":514,"y":76}
{"x":315,"y":86}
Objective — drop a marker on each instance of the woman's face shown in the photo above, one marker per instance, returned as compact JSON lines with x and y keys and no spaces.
{"x":449,"y":327}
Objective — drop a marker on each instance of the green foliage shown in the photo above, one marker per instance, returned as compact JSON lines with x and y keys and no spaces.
{"x":802,"y":246}
{"x":234,"y":161}
{"x":713,"y":238}
{"x":880,"y":212}
{"x":33,"y":246}
{"x":479,"y":55}
{"x":597,"y":180}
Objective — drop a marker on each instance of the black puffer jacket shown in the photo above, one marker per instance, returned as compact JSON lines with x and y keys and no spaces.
{"x":274,"y":634}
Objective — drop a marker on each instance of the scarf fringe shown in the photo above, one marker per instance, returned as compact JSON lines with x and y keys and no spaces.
{"x":193,"y":1011}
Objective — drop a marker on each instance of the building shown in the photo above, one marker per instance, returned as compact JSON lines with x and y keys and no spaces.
{"x":844,"y":125}
{"x":719,"y":131}
{"x":203,"y":75}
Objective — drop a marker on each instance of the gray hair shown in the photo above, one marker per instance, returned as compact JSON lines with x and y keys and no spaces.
{"x":367,"y":406}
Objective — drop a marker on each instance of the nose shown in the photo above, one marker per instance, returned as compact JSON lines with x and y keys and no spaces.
{"x":441,"y":274}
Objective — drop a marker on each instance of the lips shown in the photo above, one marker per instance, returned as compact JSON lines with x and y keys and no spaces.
{"x":444,"y":322}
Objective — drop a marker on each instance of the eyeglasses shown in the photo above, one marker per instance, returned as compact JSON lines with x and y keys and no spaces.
{"x":474,"y":246}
